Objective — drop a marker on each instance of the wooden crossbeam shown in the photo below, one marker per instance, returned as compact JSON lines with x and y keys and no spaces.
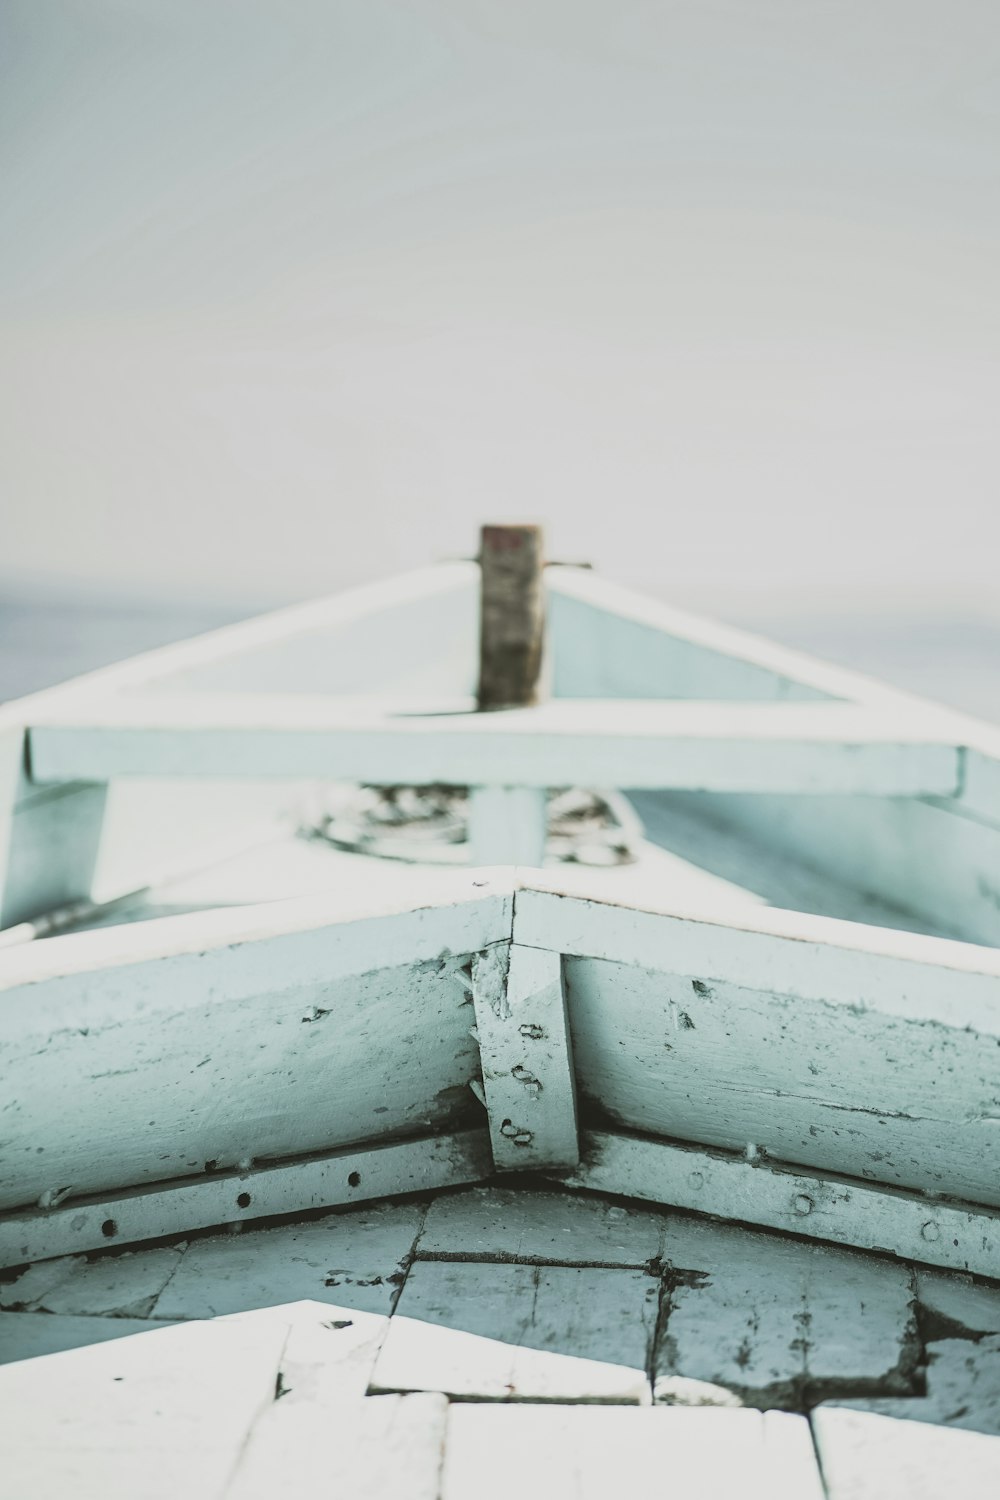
{"x":789,"y":747}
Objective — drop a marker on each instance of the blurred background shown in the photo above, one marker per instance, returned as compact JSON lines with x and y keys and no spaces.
{"x":295,"y":293}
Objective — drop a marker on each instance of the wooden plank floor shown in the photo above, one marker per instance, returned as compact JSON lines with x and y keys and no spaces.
{"x":519,"y":1308}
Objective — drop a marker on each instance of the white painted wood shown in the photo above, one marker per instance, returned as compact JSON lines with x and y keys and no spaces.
{"x":524,"y":1046}
{"x":575,"y":1453}
{"x":157,"y":1415}
{"x":226,"y":1037}
{"x":49,"y":836}
{"x":610,"y":641}
{"x":415,"y":634}
{"x":507,"y":825}
{"x":553,"y":911}
{"x":962,"y":1388}
{"x":324,"y":1181}
{"x":957,"y":1304}
{"x":776,"y":1039}
{"x":694,"y":830}
{"x":30,"y":1335}
{"x":521,"y":1333}
{"x":869,"y":1457}
{"x":770,"y":1321}
{"x":383,"y":1448}
{"x":569,"y":1228}
{"x":318,"y":1429}
{"x":732,"y":747}
{"x":815,"y":1205}
{"x":352,"y":1260}
{"x":925,"y":857}
{"x":359,"y":637}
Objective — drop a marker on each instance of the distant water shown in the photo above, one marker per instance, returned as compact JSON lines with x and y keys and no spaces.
{"x":955,"y":660}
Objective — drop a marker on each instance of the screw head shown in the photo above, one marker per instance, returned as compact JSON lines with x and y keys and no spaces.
{"x":930,"y":1231}
{"x":802,"y":1203}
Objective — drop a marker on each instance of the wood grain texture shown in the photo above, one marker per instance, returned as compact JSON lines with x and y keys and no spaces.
{"x":775,"y":1322}
{"x":495,"y":1223}
{"x":815,"y":1205}
{"x":318,"y":1423}
{"x":554,"y":1453}
{"x":382,"y":1448}
{"x":199,"y":1044}
{"x":521,"y":1333}
{"x":511,"y":615}
{"x":116,"y":1286}
{"x":769,"y":1033}
{"x":957,"y":1304}
{"x":870,"y":1457}
{"x":354,"y":1260}
{"x":524,"y":1049}
{"x":309,"y":1183}
{"x":962,"y":1388}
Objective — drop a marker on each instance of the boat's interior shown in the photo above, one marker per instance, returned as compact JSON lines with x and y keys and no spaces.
{"x":707,"y":1132}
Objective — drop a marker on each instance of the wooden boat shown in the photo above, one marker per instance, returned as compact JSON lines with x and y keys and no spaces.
{"x":513,"y":1177}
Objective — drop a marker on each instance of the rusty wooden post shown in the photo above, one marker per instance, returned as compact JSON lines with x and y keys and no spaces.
{"x":511,"y":616}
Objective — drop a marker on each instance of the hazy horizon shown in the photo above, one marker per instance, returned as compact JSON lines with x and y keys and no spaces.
{"x":298,"y":295}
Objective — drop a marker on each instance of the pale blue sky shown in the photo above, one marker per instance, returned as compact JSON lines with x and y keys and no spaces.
{"x":298,"y":291}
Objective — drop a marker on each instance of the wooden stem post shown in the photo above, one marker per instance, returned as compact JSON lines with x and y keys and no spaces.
{"x":511,"y":616}
{"x":507,"y":823}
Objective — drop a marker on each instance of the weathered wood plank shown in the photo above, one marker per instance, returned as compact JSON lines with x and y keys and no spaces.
{"x":491,"y":1223}
{"x":339,"y":1177}
{"x":558,"y":1452}
{"x":382,"y":1448}
{"x":801,"y":748}
{"x":116,"y":1286}
{"x":869,"y":1457}
{"x":925,"y":857}
{"x":769,"y":1321}
{"x":818,"y":1205}
{"x":511,"y":615}
{"x":352,"y":1260}
{"x":204,"y":1042}
{"x":318,"y":1423}
{"x":159,"y":1415}
{"x":962,"y":1390}
{"x":958,"y":1305}
{"x":524,"y":1048}
{"x":769,"y":1032}
{"x":521,"y":1333}
{"x":693,"y":828}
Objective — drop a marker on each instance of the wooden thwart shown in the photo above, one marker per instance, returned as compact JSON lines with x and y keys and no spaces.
{"x":725,"y":747}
